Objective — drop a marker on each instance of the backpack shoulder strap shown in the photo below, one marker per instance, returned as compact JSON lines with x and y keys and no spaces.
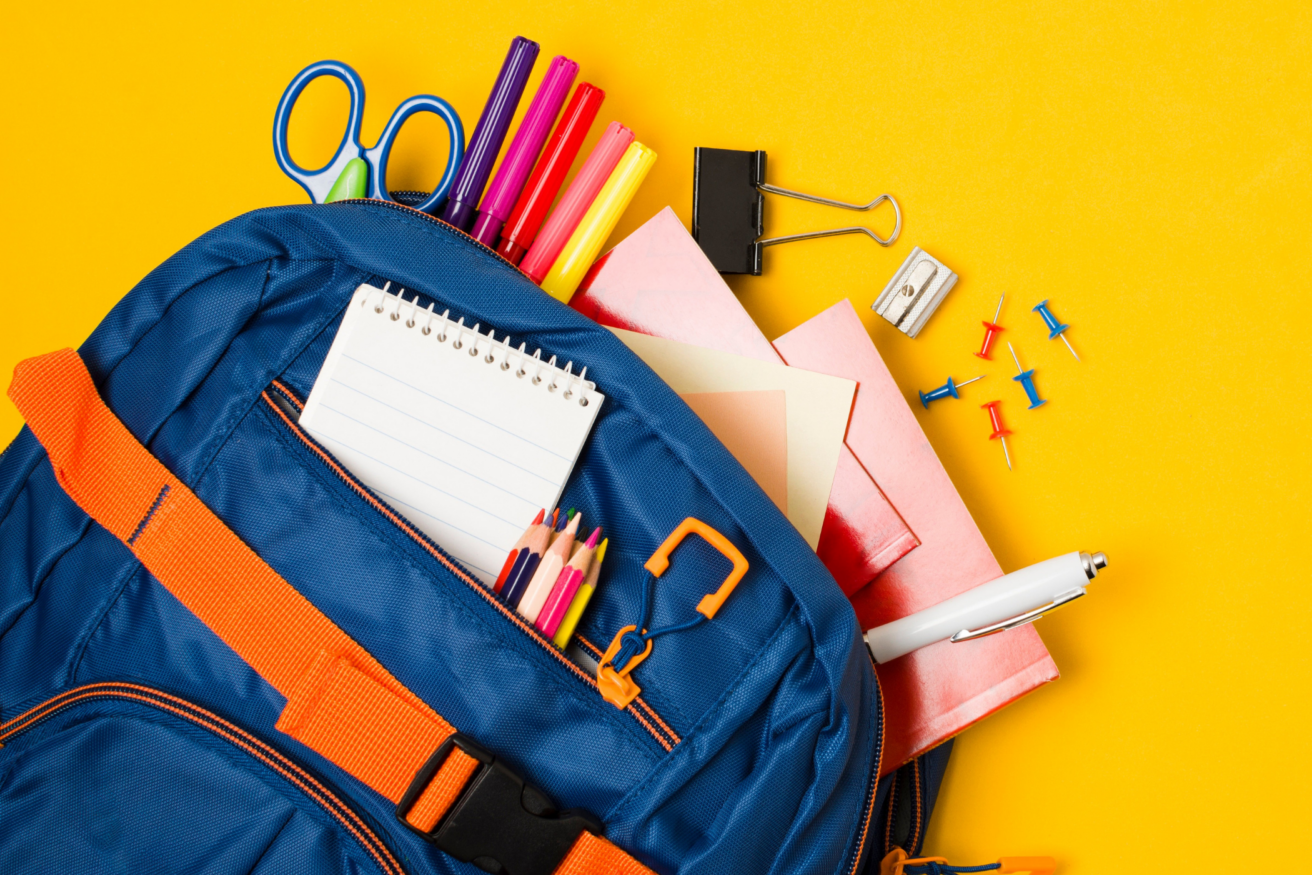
{"x":341,"y":702}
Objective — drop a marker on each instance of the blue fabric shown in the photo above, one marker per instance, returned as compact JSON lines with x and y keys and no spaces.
{"x":774,"y":702}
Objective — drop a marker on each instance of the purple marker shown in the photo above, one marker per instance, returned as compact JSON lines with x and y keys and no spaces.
{"x":490,"y":133}
{"x":523,"y":152}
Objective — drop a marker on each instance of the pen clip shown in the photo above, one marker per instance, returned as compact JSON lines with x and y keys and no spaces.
{"x":1021,"y":619}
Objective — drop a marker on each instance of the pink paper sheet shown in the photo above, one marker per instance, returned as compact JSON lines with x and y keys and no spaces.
{"x":934,"y":693}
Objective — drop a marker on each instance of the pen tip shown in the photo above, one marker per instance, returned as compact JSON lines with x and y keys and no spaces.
{"x":573,"y":526}
{"x":592,"y":539}
{"x":542,"y":514}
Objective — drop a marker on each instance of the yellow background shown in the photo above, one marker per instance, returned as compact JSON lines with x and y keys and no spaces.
{"x":1145,"y":166}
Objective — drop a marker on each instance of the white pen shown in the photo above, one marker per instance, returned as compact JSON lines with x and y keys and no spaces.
{"x":1005,"y":603}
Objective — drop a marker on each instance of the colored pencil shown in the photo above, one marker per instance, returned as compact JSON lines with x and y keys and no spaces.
{"x":523,"y":572}
{"x":535,"y":596}
{"x":567,"y":584}
{"x":560,"y":524}
{"x":581,"y":598}
{"x":519,"y":552}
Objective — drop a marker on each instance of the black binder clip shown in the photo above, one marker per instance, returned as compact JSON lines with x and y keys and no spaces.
{"x":728,"y":206}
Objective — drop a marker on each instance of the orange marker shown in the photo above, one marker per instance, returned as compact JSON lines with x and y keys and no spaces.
{"x":535,"y":596}
{"x":567,"y":585}
{"x":519,"y":552}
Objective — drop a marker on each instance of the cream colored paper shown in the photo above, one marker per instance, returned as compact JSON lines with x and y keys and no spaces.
{"x":818,"y":407}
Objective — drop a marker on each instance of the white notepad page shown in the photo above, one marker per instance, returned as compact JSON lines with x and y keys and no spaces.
{"x":464,"y":448}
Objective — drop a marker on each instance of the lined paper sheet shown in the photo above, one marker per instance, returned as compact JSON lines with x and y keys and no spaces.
{"x":463,"y":448}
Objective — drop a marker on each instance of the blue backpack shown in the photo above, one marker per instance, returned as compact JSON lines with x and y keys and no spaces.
{"x":219,"y":652}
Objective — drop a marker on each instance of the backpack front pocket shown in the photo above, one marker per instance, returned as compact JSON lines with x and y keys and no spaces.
{"x":147,"y":781}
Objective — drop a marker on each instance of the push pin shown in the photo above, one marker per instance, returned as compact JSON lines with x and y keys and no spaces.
{"x":990,"y":329}
{"x":728,"y":210}
{"x":1000,"y":431}
{"x":1026,"y":379}
{"x":1055,"y":328}
{"x":947,"y":390}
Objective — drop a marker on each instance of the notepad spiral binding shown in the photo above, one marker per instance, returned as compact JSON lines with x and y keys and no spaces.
{"x":495,"y":352}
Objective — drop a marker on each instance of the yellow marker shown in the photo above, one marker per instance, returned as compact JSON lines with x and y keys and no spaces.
{"x":590,"y":235}
{"x":580,"y":603}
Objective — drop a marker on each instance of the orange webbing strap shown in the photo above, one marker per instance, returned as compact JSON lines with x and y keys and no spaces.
{"x":340,"y":701}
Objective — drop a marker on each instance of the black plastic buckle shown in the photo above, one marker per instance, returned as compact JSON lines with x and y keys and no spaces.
{"x":499,"y":823}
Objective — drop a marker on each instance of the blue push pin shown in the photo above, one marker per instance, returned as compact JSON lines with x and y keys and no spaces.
{"x":1026,"y":379}
{"x":1055,"y":328}
{"x":947,"y":390}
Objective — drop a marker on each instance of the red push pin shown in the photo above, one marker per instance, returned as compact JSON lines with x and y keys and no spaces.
{"x":990,"y":329}
{"x":1000,"y":431}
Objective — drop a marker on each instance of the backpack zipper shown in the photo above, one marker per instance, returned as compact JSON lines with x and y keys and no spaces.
{"x":657,"y":727}
{"x":902,"y":829}
{"x":451,"y":229}
{"x":872,"y":786}
{"x":234,"y":735}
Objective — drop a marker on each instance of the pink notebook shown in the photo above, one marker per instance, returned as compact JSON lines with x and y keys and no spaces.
{"x":657,"y":281}
{"x":934,"y":693}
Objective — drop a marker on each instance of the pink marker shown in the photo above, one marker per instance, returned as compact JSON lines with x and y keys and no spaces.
{"x":578,"y":197}
{"x":567,"y":585}
{"x":523,"y":152}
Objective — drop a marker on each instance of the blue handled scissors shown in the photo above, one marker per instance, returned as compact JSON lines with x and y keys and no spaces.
{"x":318,"y":183}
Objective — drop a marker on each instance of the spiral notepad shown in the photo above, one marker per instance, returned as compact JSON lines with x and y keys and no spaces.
{"x":464,"y":434}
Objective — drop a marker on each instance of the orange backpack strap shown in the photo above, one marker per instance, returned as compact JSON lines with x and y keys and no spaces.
{"x":341,"y":702}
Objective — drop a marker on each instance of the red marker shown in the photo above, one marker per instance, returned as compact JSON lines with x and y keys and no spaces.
{"x":526,"y":220}
{"x":519,"y":552}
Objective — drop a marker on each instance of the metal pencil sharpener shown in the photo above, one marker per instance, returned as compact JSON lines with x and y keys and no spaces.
{"x":914,"y":292}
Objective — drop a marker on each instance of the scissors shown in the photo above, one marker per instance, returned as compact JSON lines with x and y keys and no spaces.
{"x":319,"y":183}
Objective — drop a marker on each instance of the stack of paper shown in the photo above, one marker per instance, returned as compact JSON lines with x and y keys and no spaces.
{"x":658,"y":282}
{"x":932,"y":693}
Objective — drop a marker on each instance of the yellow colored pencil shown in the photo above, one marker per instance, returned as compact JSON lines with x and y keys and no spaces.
{"x":576,"y":608}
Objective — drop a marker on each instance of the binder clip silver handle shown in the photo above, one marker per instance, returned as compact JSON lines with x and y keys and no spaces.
{"x":832,"y":232}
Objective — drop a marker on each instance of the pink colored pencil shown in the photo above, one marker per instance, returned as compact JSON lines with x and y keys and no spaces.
{"x":575,"y":202}
{"x":567,"y":584}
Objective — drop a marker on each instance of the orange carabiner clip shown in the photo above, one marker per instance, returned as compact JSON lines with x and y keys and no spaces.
{"x":616,"y":685}
{"x":660,"y":560}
